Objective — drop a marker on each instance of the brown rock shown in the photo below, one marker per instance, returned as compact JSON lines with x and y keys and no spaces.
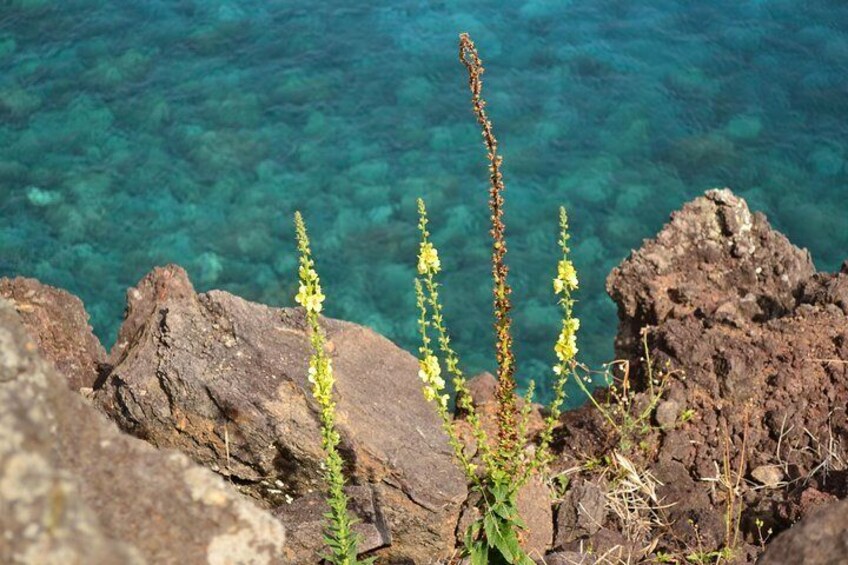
{"x":58,"y":324}
{"x":667,"y":412}
{"x":811,"y":499}
{"x":482,"y":388}
{"x":305,"y":524}
{"x":825,"y":289}
{"x":714,"y":256}
{"x":819,"y":539}
{"x":768,"y":475}
{"x":224,"y":381}
{"x":73,"y":489}
{"x":536,"y":510}
{"x":782,"y":384}
{"x":688,"y":507}
{"x":568,"y":558}
{"x":581,"y":514}
{"x":762,"y":343}
{"x":608,"y":544}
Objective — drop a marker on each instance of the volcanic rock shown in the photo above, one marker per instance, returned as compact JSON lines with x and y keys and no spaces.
{"x":58,"y":324}
{"x":819,"y":539}
{"x":714,"y":259}
{"x":581,"y":514}
{"x":306,"y":523}
{"x":756,"y":344}
{"x":225,"y":381}
{"x":74,"y":489}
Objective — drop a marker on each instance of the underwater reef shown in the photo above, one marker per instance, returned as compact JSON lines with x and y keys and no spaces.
{"x":195,"y":126}
{"x":195,"y":439}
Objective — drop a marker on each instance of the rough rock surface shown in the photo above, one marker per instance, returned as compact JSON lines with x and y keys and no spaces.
{"x":58,"y":323}
{"x":777,"y":388}
{"x":581,"y":514}
{"x":535,"y":507}
{"x":761,"y":345}
{"x":74,"y":489}
{"x":224,"y":381}
{"x":305,"y":524}
{"x":714,"y":259}
{"x":568,"y":558}
{"x":819,"y":539}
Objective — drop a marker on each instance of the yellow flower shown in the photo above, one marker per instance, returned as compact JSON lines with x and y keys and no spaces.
{"x":302,"y":293}
{"x":307,"y":274}
{"x":430,"y":369}
{"x":428,"y":259}
{"x":310,"y":297}
{"x":443,"y":400}
{"x":431,"y":373}
{"x":566,"y":345}
{"x":566,"y":277}
{"x":315,"y":302}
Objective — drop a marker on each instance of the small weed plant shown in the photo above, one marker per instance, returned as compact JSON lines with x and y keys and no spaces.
{"x":629,"y":421}
{"x":502,"y":465}
{"x":339,"y":536}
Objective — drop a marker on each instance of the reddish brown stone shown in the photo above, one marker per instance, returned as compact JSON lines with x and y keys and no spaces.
{"x":58,"y":323}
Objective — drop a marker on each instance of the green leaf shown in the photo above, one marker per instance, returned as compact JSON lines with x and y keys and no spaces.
{"x":479,"y":553}
{"x":504,"y":511}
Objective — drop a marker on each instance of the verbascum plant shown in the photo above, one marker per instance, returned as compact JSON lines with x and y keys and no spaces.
{"x":340,"y":538}
{"x":505,"y":463}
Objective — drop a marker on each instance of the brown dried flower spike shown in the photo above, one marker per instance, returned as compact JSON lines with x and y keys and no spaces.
{"x":508,"y":440}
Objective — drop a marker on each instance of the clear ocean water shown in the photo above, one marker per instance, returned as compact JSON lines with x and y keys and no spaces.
{"x":133,"y":134}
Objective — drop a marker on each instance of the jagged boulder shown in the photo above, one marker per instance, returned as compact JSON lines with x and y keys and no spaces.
{"x":224,"y":380}
{"x":819,"y":539}
{"x":58,"y":324}
{"x":74,"y":489}
{"x":582,"y":513}
{"x":758,"y":346}
{"x":715,"y":259}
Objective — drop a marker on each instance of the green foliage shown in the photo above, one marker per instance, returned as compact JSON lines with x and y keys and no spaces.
{"x":716,"y":557}
{"x":494,"y":539}
{"x":339,"y":536}
{"x":687,"y":414}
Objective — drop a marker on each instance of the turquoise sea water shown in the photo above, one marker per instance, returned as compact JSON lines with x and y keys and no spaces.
{"x":133,"y":134}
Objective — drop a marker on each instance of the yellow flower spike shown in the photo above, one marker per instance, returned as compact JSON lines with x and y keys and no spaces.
{"x":342,"y":540}
{"x":566,"y":277}
{"x":427,"y":300}
{"x":428,"y":259}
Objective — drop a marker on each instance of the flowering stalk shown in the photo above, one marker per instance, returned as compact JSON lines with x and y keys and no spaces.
{"x":339,"y":535}
{"x":493,"y":537}
{"x":494,"y":534}
{"x":565,"y":348}
{"x":430,"y":316}
{"x":509,"y":444}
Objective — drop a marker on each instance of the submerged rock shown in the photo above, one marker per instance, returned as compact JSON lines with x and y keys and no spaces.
{"x":73,"y":489}
{"x":225,"y":381}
